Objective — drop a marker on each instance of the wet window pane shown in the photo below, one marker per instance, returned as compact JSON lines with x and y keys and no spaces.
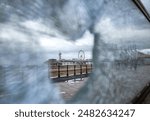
{"x":110,"y":36}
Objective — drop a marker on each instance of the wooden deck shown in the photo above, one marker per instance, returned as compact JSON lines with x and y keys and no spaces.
{"x":69,"y":88}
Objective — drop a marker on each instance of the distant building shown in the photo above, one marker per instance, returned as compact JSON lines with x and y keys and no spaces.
{"x":143,"y":58}
{"x":55,"y":62}
{"x":52,"y":62}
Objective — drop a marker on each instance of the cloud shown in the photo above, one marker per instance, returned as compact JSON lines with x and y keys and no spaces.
{"x":10,"y":32}
{"x":29,"y":42}
{"x":86,"y":40}
{"x":112,"y":33}
{"x":52,"y":46}
{"x":35,"y":34}
{"x":55,"y":44}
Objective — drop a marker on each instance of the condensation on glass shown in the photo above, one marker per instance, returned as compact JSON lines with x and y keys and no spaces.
{"x":120,"y":32}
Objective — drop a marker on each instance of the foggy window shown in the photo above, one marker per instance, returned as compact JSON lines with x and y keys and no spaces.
{"x":113,"y":34}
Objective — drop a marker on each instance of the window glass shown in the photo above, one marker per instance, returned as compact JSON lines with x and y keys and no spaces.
{"x":112,"y":36}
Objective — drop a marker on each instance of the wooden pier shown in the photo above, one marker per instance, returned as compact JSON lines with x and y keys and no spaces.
{"x":62,"y":73}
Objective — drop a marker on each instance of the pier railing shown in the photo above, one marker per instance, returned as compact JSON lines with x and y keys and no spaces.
{"x":66,"y":72}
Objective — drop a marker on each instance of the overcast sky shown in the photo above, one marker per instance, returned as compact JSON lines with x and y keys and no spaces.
{"x":69,"y":49}
{"x":31,"y":34}
{"x":111,"y":31}
{"x":45,"y":46}
{"x":146,"y":4}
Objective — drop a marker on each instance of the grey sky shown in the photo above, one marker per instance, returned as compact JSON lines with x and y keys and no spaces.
{"x":133,"y":28}
{"x":52,"y":46}
{"x":146,"y":4}
{"x":39,"y":34}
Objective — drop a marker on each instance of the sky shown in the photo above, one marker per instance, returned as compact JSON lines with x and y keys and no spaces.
{"x":69,"y":49}
{"x":31,"y":37}
{"x":146,"y":4}
{"x":108,"y":27}
{"x":20,"y":44}
{"x":52,"y":45}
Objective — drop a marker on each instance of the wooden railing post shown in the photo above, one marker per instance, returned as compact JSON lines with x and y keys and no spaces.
{"x":86,"y":69}
{"x":81,"y":69}
{"x":74,"y":70}
{"x":58,"y":70}
{"x":67,"y":71}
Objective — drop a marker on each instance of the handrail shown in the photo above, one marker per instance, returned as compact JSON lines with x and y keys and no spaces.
{"x":68,"y":70}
